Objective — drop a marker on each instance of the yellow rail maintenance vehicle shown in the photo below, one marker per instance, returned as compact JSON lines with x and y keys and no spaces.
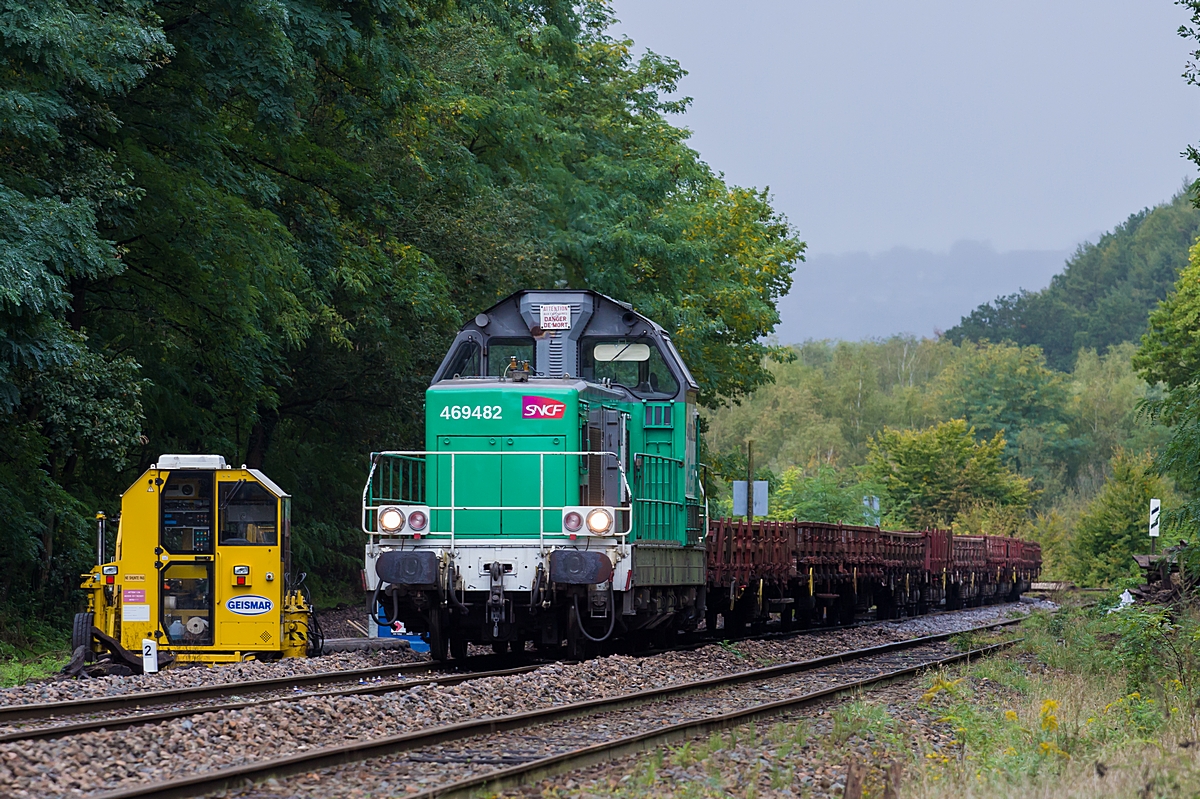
{"x":202,"y":569}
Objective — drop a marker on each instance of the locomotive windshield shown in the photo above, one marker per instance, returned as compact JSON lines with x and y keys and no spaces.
{"x":469,"y":361}
{"x":501,"y":351}
{"x":636,"y":364}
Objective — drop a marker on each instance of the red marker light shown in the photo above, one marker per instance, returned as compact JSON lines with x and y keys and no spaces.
{"x":110,"y":579}
{"x":241,"y":581}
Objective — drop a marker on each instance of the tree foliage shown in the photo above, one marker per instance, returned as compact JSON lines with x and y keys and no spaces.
{"x":1114,"y":526}
{"x":250,"y":229}
{"x":1005,"y":390}
{"x":1170,"y":354}
{"x":824,"y":494}
{"x":929,"y":477}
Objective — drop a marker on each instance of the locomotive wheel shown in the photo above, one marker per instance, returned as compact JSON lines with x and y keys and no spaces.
{"x":439,"y":623}
{"x":81,"y":630}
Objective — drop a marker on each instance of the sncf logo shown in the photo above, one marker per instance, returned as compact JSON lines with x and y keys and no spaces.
{"x":541,"y":408}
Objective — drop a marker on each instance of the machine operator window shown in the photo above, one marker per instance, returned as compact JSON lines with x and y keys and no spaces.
{"x":248,"y":514}
{"x":186,"y":507}
{"x":637,"y":364}
{"x":501,"y":351}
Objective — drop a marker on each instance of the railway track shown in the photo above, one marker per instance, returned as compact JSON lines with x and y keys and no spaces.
{"x":374,"y":687}
{"x":534,"y":744}
{"x":33,"y":721}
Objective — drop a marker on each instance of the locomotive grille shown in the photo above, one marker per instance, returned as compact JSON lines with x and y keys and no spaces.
{"x":556,"y":356}
{"x":594,"y":488}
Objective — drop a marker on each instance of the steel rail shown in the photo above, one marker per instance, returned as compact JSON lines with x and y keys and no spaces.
{"x":44,"y":710}
{"x":125,"y":722}
{"x":74,"y":707}
{"x":525,"y":773}
{"x":325,"y":757}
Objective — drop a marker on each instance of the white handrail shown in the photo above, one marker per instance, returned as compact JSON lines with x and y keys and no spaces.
{"x":453,"y":507}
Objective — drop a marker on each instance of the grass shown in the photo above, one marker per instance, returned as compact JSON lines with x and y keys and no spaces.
{"x":1087,"y":704}
{"x":19,"y":669}
{"x":30,"y":648}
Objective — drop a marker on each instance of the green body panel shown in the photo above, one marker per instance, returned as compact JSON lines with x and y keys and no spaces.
{"x":488,"y":418}
{"x":533,"y":480}
{"x":481,"y":473}
{"x":496,"y":418}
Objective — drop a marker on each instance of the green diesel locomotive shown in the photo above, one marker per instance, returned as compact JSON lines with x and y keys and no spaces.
{"x":558,"y":498}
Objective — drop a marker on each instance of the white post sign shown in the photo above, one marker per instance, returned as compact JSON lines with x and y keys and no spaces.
{"x":1155,"y":512}
{"x":556,"y":317}
{"x":149,"y":656}
{"x":760,"y":491}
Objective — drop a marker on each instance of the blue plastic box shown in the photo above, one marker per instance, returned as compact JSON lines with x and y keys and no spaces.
{"x":384,"y":630}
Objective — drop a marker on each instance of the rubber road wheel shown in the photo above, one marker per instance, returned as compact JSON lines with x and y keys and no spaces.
{"x":81,"y":630}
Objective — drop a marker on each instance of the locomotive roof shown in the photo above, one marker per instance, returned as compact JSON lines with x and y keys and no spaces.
{"x":555,"y":321}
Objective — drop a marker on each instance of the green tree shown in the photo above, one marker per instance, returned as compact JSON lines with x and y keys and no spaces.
{"x":1102,"y":296}
{"x":1006,"y":390}
{"x":824,"y":403}
{"x":1113,"y":528}
{"x":250,"y":229}
{"x":1054,"y":531}
{"x":931,"y":476}
{"x":823,"y":494}
{"x":1170,"y":354}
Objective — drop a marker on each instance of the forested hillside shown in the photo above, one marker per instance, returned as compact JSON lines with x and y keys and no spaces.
{"x":1104,"y":294}
{"x":250,"y":229}
{"x":981,"y":438}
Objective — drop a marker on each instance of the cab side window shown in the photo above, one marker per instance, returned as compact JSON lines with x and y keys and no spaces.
{"x":466,"y":360}
{"x":248,"y":515}
{"x":637,"y":364}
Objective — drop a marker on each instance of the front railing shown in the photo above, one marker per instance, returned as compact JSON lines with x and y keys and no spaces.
{"x":399,"y":478}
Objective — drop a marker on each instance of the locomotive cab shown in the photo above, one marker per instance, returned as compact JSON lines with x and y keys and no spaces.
{"x":201,"y":567}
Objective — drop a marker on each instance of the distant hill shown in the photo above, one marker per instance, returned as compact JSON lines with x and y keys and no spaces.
{"x":858,"y":295}
{"x":1104,"y":294}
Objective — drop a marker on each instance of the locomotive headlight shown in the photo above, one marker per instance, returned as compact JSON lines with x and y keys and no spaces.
{"x":418,"y":521}
{"x":391,"y":520}
{"x":109,"y":570}
{"x":572,"y":521}
{"x":600,"y":521}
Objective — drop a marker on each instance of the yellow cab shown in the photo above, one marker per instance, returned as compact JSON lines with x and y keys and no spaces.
{"x":202,"y":569}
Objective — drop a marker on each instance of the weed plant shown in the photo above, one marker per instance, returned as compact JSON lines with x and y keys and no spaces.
{"x":1090,"y":703}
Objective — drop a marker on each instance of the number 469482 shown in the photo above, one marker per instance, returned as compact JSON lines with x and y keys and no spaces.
{"x":470,"y":412}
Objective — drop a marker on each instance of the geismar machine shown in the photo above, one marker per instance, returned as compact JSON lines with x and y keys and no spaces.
{"x":202,"y":567}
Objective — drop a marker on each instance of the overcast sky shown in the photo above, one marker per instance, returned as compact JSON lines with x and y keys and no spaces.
{"x":1019,"y":126}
